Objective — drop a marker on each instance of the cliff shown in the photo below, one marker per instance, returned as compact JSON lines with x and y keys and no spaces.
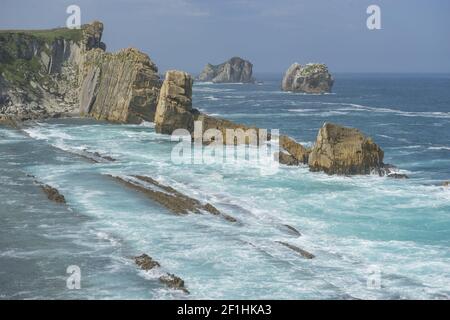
{"x":39,"y":70}
{"x":120,"y":87}
{"x":232,"y":71}
{"x":47,"y":73}
{"x":311,"y":78}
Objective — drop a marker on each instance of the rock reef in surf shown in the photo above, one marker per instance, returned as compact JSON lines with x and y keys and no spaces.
{"x":147,"y":263}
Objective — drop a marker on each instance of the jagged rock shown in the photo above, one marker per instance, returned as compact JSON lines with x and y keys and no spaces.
{"x":311,"y":78}
{"x":286,"y":158}
{"x":398,"y":176}
{"x":53,"y":194}
{"x":174,"y":282}
{"x":295,"y":149}
{"x":446,"y":184}
{"x":146,"y":262}
{"x":341,"y":150}
{"x":231,"y":71}
{"x":122,"y":86}
{"x":174,"y":109}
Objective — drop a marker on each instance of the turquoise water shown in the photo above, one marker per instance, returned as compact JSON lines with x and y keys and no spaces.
{"x":399,"y":229}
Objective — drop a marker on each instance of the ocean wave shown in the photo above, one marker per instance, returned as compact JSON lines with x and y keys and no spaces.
{"x":439,"y":148}
{"x":212,"y":98}
{"x":359,"y":107}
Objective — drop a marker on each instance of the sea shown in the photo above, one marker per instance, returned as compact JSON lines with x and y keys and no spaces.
{"x":372,"y":237}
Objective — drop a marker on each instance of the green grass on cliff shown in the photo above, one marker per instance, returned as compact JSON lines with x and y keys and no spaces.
{"x":49,"y":35}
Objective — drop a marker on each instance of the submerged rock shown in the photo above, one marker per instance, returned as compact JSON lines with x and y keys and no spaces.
{"x":397,"y":176}
{"x":302,"y":252}
{"x":231,"y":71}
{"x":174,"y":282}
{"x":146,"y":262}
{"x":53,"y":194}
{"x":170,"y":198}
{"x":341,"y":150}
{"x":311,"y":78}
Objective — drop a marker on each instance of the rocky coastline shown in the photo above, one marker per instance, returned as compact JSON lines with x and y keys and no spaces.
{"x":68,"y":72}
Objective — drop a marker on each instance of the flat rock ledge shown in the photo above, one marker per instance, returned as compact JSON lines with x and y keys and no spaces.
{"x":303,"y":253}
{"x":168,"y":197}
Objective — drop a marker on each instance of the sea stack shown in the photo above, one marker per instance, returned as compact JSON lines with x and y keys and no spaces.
{"x":235,"y":70}
{"x":174,"y":109}
{"x":311,"y":78}
{"x":345,"y":151}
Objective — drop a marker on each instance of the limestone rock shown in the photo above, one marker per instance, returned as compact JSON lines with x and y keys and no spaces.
{"x":233,"y":70}
{"x":39,"y":70}
{"x":341,"y":150}
{"x":121,"y":87}
{"x":174,"y":109}
{"x":295,"y":149}
{"x":286,"y":158}
{"x":311,"y":78}
{"x":145,"y":262}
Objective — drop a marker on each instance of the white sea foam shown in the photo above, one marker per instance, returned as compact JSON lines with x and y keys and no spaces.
{"x":359,"y":107}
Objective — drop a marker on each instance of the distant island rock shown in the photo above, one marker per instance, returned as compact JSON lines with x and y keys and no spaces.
{"x":311,"y":78}
{"x":235,"y":70}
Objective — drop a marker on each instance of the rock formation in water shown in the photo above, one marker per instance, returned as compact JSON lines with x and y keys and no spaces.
{"x":341,"y":150}
{"x":311,"y":78}
{"x":47,"y":73}
{"x":174,"y":111}
{"x":231,"y":71}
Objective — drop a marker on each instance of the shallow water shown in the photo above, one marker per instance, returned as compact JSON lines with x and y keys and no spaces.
{"x":357,"y":227}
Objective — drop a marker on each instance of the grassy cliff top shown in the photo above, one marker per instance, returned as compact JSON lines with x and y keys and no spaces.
{"x":49,"y":35}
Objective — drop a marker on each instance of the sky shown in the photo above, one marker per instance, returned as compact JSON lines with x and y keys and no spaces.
{"x":184,"y":34}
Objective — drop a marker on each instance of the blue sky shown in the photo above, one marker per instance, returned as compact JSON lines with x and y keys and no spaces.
{"x":184,"y":34}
